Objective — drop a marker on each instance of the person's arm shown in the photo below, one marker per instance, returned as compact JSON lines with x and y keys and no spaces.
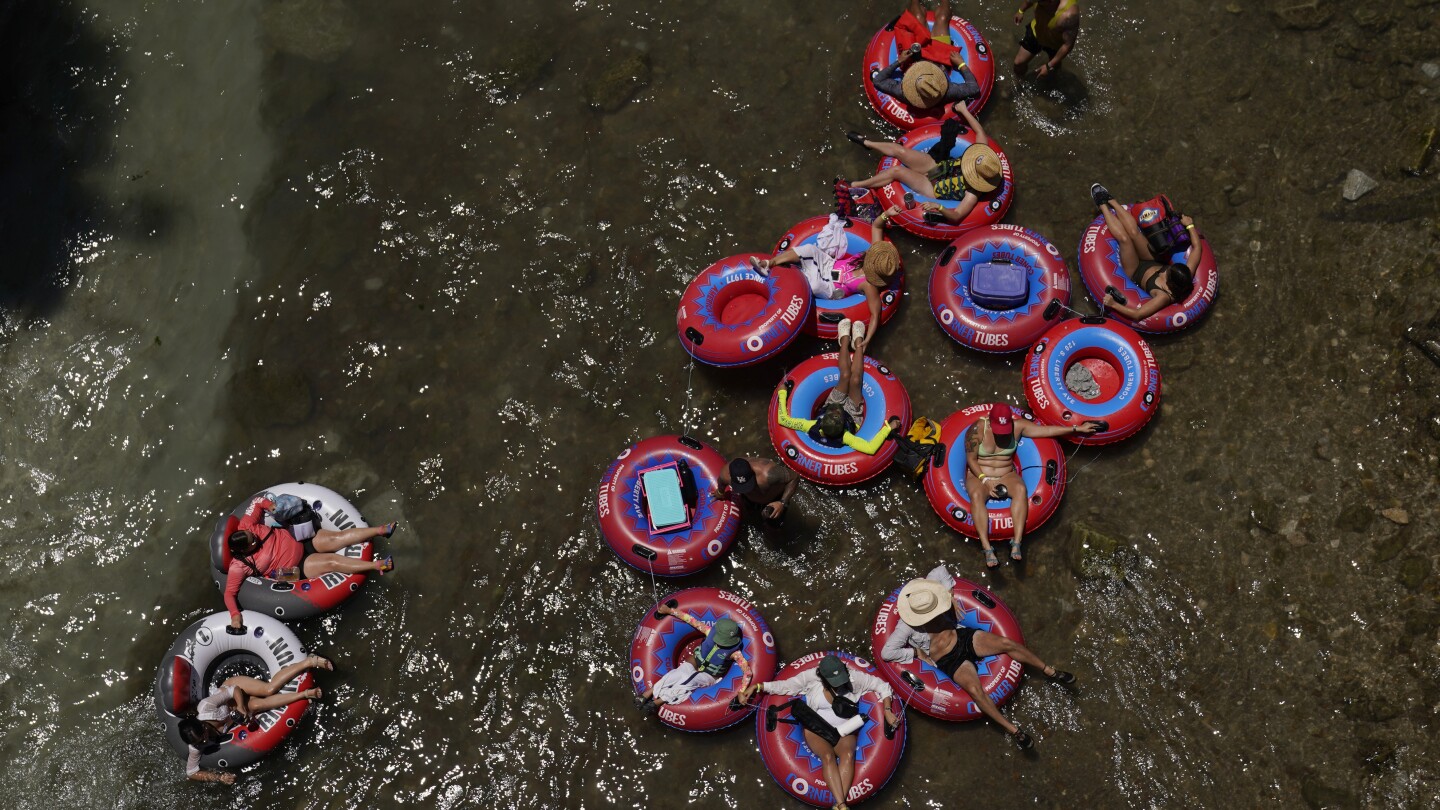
{"x":890,"y":80}
{"x":1020,"y":15}
{"x":1034,"y":431}
{"x":790,"y":686}
{"x":877,"y":228}
{"x":942,"y":575}
{"x":255,"y":514}
{"x":865,"y":682}
{"x":690,"y":620}
{"x":785,"y":496}
{"x":868,"y":446}
{"x":897,"y":647}
{"x":234,"y":578}
{"x":192,"y":770}
{"x":1067,"y":42}
{"x":242,"y":702}
{"x":721,"y":492}
{"x":963,"y":90}
{"x":744,"y":670}
{"x":973,"y":122}
{"x":957,"y":214}
{"x":1157,"y":302}
{"x":1197,"y":250}
{"x":782,"y":415}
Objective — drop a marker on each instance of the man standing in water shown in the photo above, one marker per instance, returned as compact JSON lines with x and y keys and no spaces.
{"x":765,"y":484}
{"x":1053,"y":29}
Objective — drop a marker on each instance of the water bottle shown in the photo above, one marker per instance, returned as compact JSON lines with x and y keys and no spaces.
{"x":286,"y":573}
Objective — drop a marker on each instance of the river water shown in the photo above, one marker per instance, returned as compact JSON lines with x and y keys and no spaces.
{"x":429,"y":254}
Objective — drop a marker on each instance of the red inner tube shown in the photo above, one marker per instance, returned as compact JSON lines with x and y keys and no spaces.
{"x":827,"y":314}
{"x":796,"y":768}
{"x":626,"y":527}
{"x":1041,"y":463}
{"x":1121,"y":363}
{"x":968,"y":321}
{"x":884,"y":397}
{"x":881,"y":52}
{"x":942,"y":698}
{"x":1099,"y":261}
{"x":663,"y":643}
{"x":731,"y":316}
{"x":989,"y":210}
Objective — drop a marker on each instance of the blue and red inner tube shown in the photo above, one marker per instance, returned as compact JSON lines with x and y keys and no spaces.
{"x":989,"y":210}
{"x":732,"y":316}
{"x":991,"y":324}
{"x":1040,"y":462}
{"x":828,"y":313}
{"x":881,"y":53}
{"x":942,"y":698}
{"x":1119,"y":361}
{"x":662,"y":643}
{"x":837,"y":466}
{"x":1100,"y":267}
{"x":797,"y":769}
{"x":625,"y":525}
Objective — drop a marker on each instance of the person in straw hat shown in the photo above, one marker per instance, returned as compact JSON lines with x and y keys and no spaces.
{"x":930,"y":628}
{"x":937,"y":175}
{"x":835,"y":274}
{"x":924,"y":84}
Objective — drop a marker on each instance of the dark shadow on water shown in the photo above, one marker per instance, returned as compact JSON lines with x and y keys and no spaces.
{"x":56,"y":123}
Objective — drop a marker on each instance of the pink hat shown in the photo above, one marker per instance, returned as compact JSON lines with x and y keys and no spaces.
{"x":1002,"y":419}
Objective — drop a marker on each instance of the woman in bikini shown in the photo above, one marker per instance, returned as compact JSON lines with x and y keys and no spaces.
{"x":990,"y":464}
{"x":1165,"y":283}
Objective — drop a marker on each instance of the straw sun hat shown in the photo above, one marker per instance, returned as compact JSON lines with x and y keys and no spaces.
{"x":924,"y":85}
{"x":922,"y":600}
{"x":981,"y":168}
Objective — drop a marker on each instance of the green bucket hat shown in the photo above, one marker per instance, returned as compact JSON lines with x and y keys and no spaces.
{"x":725,"y":632}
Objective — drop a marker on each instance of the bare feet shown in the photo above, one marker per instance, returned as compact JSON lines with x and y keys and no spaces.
{"x":313,"y":694}
{"x":319,"y":662}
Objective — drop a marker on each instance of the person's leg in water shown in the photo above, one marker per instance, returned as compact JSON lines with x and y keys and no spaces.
{"x":1132,"y":229}
{"x":845,"y":749}
{"x":916,"y":161}
{"x":331,"y":540}
{"x":1129,"y":257}
{"x":987,"y":644}
{"x":828,"y":767}
{"x":969,"y":680}
{"x":852,"y":370}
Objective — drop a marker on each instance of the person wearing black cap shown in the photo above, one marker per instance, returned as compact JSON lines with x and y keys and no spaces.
{"x":990,"y":464}
{"x":831,"y":693}
{"x":764,"y":484}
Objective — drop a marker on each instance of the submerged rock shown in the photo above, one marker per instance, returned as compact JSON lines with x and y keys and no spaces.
{"x":1354,"y":518}
{"x":616,"y":85}
{"x":1301,"y":15}
{"x":268,"y":396}
{"x":1396,"y":515}
{"x":1094,"y":554}
{"x":1321,"y":796}
{"x":1357,"y":185}
{"x":1413,"y":572}
{"x":322,"y":30}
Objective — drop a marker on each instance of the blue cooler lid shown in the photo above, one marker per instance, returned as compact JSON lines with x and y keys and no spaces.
{"x":999,"y":285}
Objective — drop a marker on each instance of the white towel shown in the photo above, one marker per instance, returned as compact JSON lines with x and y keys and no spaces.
{"x":677,"y":684}
{"x":832,"y":240}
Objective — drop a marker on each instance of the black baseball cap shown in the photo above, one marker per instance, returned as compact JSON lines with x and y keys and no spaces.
{"x":742,"y":476}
